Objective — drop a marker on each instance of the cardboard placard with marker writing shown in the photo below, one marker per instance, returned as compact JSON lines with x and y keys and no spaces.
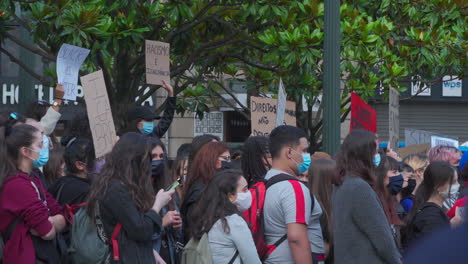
{"x":263,"y":115}
{"x":157,"y":62}
{"x":99,"y":113}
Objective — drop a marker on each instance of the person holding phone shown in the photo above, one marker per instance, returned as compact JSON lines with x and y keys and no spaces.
{"x":168,"y":242}
{"x":123,"y":194}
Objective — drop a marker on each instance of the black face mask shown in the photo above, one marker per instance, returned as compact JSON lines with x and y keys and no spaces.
{"x":157,"y":168}
{"x":408,"y":190}
{"x":396,"y":184}
{"x":225,"y":165}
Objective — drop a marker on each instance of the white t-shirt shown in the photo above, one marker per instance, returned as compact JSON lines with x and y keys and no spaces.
{"x":289,"y":202}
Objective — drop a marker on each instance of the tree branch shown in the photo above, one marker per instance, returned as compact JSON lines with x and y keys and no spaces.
{"x":230,"y":104}
{"x":262,"y":67}
{"x":232,"y":95}
{"x":35,"y":50}
{"x":26,"y":68}
{"x":41,"y":43}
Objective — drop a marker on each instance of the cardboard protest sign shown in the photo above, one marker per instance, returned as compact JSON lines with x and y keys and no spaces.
{"x":69,"y":61}
{"x":443,"y":141}
{"x":281,"y":104}
{"x":415,"y":136}
{"x":157,"y":62}
{"x":394,"y":119}
{"x":99,"y":112}
{"x":263,"y":115}
{"x":363,"y":116}
{"x":415,"y":149}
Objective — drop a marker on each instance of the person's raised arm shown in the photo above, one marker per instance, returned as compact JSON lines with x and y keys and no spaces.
{"x":161,"y":128}
{"x":52,"y":116}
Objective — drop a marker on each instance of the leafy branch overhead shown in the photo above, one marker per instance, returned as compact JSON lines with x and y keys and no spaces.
{"x":383,"y":44}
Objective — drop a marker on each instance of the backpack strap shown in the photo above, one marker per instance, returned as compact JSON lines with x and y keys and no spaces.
{"x":279,"y":178}
{"x":272,"y":181}
{"x":234,"y":257}
{"x":10,"y":229}
{"x":272,"y":248}
{"x":59,"y":193}
{"x":115,"y":244}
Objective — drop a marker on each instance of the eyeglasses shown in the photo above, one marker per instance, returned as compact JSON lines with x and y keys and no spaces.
{"x":226,"y":158}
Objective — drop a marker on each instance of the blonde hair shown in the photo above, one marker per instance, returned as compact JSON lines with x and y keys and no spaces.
{"x":417,"y":161}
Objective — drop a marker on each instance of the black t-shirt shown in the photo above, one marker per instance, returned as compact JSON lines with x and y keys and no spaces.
{"x":70,"y":190}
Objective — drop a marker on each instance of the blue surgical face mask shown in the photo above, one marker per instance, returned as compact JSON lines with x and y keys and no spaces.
{"x":305,"y":165}
{"x":377,"y":159}
{"x":43,"y":154}
{"x":147,"y":128}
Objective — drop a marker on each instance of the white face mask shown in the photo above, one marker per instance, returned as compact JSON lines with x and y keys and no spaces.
{"x":244,"y":201}
{"x":452,"y":192}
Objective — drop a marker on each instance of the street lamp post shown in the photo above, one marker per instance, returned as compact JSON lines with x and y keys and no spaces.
{"x":331,"y":88}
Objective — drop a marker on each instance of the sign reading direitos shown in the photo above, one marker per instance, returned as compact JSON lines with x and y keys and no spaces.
{"x":263,"y":115}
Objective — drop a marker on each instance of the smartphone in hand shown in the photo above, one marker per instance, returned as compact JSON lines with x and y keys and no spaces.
{"x":173,"y":185}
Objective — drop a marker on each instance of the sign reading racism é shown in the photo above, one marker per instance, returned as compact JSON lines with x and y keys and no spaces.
{"x":263,"y":115}
{"x":157,"y":62}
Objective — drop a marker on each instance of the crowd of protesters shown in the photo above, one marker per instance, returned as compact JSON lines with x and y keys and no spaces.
{"x":277,"y":204}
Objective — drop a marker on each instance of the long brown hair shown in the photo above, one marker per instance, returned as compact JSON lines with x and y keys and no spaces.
{"x":320,"y":182}
{"x":389,"y":202}
{"x":130,"y":163}
{"x":204,"y":164}
{"x":356,"y":157}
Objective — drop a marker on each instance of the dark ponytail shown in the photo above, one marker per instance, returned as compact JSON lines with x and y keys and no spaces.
{"x":10,"y":144}
{"x":80,"y":149}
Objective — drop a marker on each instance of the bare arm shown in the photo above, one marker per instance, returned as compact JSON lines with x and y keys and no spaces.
{"x":299,"y":243}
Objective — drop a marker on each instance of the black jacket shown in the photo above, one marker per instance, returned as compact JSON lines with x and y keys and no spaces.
{"x":163,"y":125}
{"x":188,"y":206}
{"x":428,"y":219}
{"x":135,"y":238}
{"x":74,"y":190}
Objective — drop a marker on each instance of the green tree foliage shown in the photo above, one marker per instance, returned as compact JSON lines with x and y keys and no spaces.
{"x":383,"y":44}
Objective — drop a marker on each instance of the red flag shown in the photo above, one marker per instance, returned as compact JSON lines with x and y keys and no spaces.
{"x":363,"y":116}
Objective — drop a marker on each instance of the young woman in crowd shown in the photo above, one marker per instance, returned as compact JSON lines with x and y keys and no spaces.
{"x":180,"y":168}
{"x":27,"y":211}
{"x":256,"y":159}
{"x":218,"y":214}
{"x":419,"y":164}
{"x":427,"y":214}
{"x":320,"y":183}
{"x":79,"y":160}
{"x":209,"y":159}
{"x":198,"y":142}
{"x":389,"y":183}
{"x":361,"y":232}
{"x":55,"y":167}
{"x":406,"y":196}
{"x":123,"y":193}
{"x":166,"y":241}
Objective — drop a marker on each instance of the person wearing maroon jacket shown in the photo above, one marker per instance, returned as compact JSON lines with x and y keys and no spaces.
{"x":27,"y":211}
